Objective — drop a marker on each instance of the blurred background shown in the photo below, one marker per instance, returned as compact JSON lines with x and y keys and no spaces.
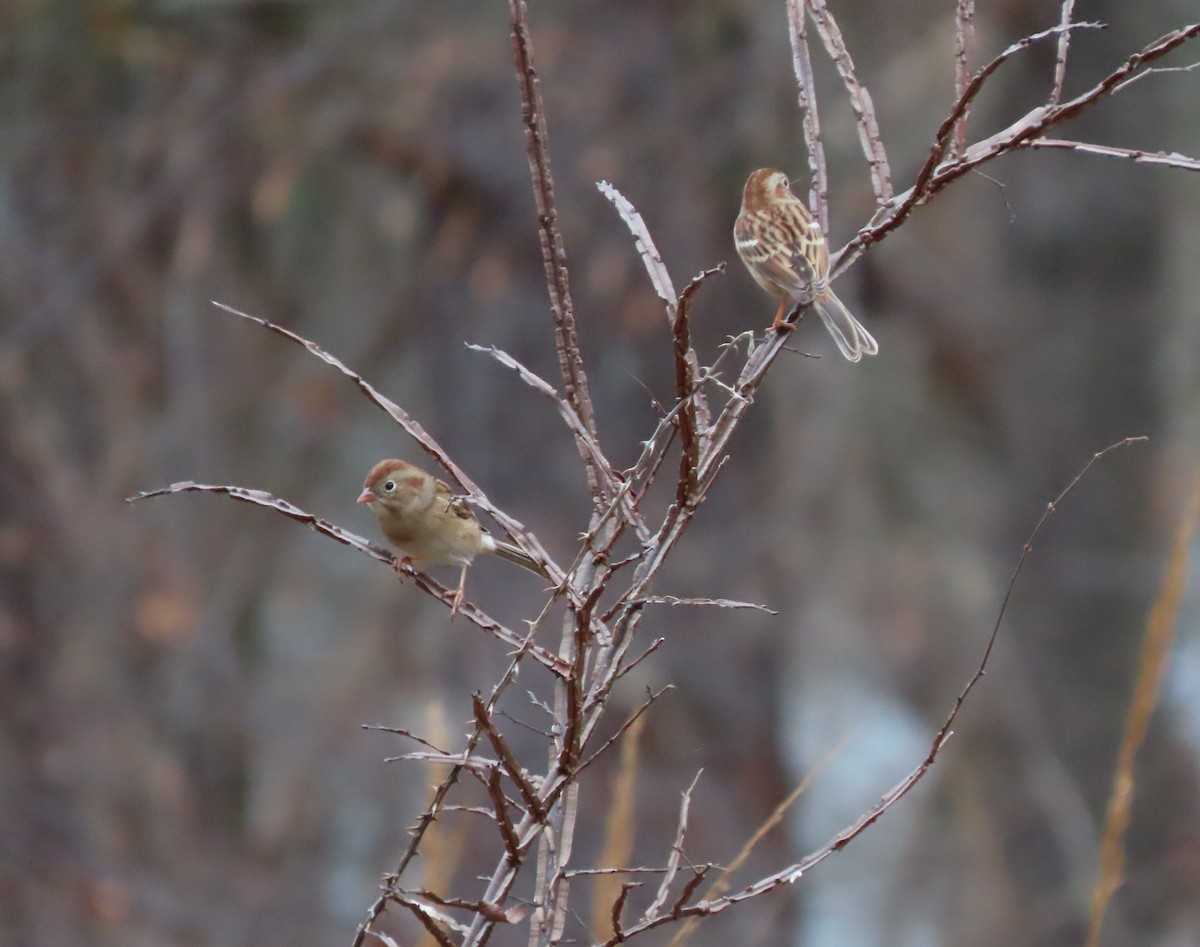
{"x":183,"y":682}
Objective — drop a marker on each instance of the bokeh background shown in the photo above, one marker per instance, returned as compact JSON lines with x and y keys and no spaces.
{"x":182,"y":682}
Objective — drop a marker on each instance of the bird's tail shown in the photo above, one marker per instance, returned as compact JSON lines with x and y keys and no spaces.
{"x":852,"y":339}
{"x":511,"y":553}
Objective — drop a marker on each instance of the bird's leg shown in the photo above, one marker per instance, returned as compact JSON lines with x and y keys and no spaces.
{"x":400,"y":563}
{"x":779,"y":325}
{"x":458,"y":593}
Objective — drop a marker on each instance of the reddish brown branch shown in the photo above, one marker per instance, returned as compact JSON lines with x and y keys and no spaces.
{"x":529,"y":795}
{"x":935,"y":174}
{"x":554,"y":256}
{"x":964,"y":49}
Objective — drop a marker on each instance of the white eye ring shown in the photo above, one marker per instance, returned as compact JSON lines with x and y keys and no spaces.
{"x":786,"y":183}
{"x":389,"y":486}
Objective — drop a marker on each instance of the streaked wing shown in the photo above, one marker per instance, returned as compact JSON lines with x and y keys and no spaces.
{"x":787,"y":249}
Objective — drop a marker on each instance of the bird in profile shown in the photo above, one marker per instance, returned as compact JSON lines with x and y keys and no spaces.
{"x":428,"y":524}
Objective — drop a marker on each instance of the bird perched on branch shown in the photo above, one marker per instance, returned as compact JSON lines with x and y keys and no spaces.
{"x":427,"y":523}
{"x":783,"y":247}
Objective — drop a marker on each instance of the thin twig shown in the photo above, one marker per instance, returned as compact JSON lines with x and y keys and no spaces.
{"x":964,"y":50}
{"x":935,"y":176}
{"x":660,"y":897}
{"x":1161,"y":158}
{"x":633,"y":718}
{"x":840,"y":840}
{"x":604,"y":470}
{"x":705,"y":603}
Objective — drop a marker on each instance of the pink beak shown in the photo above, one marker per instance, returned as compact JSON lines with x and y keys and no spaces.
{"x":366,"y":496}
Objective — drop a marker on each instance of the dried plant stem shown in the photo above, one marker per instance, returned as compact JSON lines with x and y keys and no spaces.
{"x":1152,"y":663}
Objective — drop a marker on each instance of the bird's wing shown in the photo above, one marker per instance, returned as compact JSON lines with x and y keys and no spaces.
{"x":792,"y":259}
{"x":445,"y":498}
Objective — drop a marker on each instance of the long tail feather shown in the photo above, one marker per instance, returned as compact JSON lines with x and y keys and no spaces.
{"x":853,"y":341}
{"x":511,"y":553}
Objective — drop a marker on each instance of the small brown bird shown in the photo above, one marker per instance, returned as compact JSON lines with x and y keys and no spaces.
{"x":785,"y":251}
{"x":422,"y":518}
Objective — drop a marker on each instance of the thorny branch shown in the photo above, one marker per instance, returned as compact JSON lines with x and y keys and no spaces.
{"x":554,"y":257}
{"x":840,"y":840}
{"x":602,"y":621}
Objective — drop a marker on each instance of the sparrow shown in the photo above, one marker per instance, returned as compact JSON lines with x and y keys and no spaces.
{"x":427,"y":523}
{"x":783,"y":247}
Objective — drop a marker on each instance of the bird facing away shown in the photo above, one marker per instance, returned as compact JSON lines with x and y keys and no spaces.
{"x":785,"y":251}
{"x":423,"y":519}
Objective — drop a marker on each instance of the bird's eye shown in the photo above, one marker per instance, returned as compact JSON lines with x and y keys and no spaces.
{"x":389,"y":486}
{"x":784,"y":182}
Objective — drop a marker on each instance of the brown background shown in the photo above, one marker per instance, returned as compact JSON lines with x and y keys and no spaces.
{"x":182,"y":683}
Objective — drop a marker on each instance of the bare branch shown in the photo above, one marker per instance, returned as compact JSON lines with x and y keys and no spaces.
{"x":860,"y":101}
{"x":400,"y":731}
{"x":511,"y":766}
{"x":963,"y":104}
{"x":964,"y":50}
{"x":664,"y":886}
{"x":621,"y":730}
{"x":818,"y":196}
{"x":661,"y":279}
{"x":619,"y":906}
{"x":643,"y":242}
{"x":704,"y":603}
{"x":839,"y":841}
{"x":689,"y":889}
{"x":935,"y":176}
{"x":493,"y":912}
{"x":438,"y":801}
{"x":1164,"y":159}
{"x":429,"y":919}
{"x":1160,"y":70}
{"x":500,"y":806}
{"x":604,"y":470}
{"x":554,"y":258}
{"x":1060,"y":55}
